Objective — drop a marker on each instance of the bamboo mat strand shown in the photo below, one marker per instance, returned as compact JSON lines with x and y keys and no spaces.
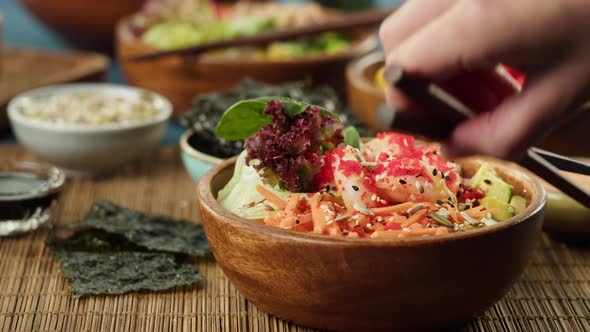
{"x":553,"y":294}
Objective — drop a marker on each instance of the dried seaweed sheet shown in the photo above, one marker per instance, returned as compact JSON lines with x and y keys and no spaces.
{"x":97,"y":262}
{"x":123,"y":271}
{"x":150,"y":231}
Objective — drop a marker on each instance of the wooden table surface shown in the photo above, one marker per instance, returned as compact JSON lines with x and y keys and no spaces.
{"x":553,"y":294}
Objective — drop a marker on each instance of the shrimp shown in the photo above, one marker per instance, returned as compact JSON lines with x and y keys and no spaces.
{"x":354,"y":183}
{"x":388,"y":144}
{"x":411,"y":179}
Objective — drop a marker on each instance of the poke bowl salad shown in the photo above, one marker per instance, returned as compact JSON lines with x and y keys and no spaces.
{"x":171,"y":24}
{"x":312,"y":175}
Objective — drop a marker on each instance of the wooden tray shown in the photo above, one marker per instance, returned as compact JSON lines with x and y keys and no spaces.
{"x":24,"y":69}
{"x":553,"y":293}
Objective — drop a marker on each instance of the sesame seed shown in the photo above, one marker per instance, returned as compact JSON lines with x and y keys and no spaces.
{"x":434,"y":152}
{"x":487,"y":181}
{"x":421,"y":189}
{"x":419,"y":175}
{"x":417,"y":184}
{"x":374,"y":197}
{"x":355,"y":188}
{"x":439,"y":202}
{"x":448,"y":178}
{"x":402,"y":181}
{"x":297,"y":221}
{"x":327,"y":218}
{"x":434,"y":172}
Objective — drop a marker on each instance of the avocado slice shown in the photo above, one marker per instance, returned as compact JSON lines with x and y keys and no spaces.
{"x":518,"y":203}
{"x":500,"y":210}
{"x":483,"y":170}
{"x":495,"y":187}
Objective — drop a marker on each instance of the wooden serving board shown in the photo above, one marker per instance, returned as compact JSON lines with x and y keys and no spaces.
{"x":23,"y":69}
{"x":553,"y":293}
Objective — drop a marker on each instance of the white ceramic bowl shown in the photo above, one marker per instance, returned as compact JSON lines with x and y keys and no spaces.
{"x":83,"y":150}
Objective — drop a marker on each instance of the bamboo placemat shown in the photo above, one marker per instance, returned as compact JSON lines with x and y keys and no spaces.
{"x":553,"y":294}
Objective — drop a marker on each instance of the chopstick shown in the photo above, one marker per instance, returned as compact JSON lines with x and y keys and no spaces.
{"x":449,"y":112}
{"x":344,"y":23}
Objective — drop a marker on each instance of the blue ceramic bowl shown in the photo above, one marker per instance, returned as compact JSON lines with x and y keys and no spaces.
{"x":196,"y":163}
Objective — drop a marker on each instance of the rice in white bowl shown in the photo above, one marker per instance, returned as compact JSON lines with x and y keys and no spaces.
{"x":87,"y":108}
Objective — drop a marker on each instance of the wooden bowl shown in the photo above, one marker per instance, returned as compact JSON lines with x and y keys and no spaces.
{"x":86,"y":24}
{"x":364,"y":96}
{"x":367,"y":102}
{"x":180,"y":80}
{"x":373,"y":284}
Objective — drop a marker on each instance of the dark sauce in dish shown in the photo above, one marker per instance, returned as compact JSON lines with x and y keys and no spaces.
{"x":28,"y":192}
{"x":23,"y":193}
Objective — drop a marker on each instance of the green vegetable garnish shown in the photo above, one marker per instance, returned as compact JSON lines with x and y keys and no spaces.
{"x":442,"y":220}
{"x":352,"y":137}
{"x":246,"y":117}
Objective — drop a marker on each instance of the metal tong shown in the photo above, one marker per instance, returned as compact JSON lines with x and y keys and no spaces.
{"x":446,"y":112}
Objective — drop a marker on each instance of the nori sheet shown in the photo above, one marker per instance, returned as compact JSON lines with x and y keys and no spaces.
{"x":97,"y":262}
{"x":115,"y":250}
{"x":150,"y":231}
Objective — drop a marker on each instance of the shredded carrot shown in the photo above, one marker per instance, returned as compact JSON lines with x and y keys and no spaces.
{"x":291,"y":205}
{"x":386,"y":234}
{"x":415,"y":217}
{"x":441,"y":231}
{"x":422,"y":231}
{"x":416,"y":225}
{"x":477,"y":212}
{"x":303,"y":218}
{"x":392,"y":209}
{"x":271,"y":197}
{"x":322,"y":214}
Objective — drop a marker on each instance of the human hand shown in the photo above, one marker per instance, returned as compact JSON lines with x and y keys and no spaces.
{"x":459,"y":43}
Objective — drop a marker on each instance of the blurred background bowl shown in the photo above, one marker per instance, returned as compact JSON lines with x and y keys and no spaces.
{"x":181,"y":79}
{"x":87,"y":24}
{"x":364,"y":96}
{"x":196,"y":162}
{"x":87,"y":150}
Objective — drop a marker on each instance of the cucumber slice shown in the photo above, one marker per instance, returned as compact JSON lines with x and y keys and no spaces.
{"x":500,"y":210}
{"x":518,"y":203}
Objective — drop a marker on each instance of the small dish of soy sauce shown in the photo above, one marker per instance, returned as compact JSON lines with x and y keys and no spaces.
{"x":28,"y":193}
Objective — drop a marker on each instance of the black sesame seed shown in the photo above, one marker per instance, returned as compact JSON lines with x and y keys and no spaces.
{"x":297,"y":221}
{"x":434,"y":172}
{"x":419,"y":175}
{"x":327,"y":187}
{"x":427,"y":153}
{"x":355,"y":188}
{"x":448,"y":178}
{"x":487,"y":181}
{"x":402,"y":181}
{"x":439,"y":202}
{"x":458,"y":194}
{"x":421,"y":189}
{"x":434,"y":152}
{"x":442,"y":175}
{"x":334,"y":188}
